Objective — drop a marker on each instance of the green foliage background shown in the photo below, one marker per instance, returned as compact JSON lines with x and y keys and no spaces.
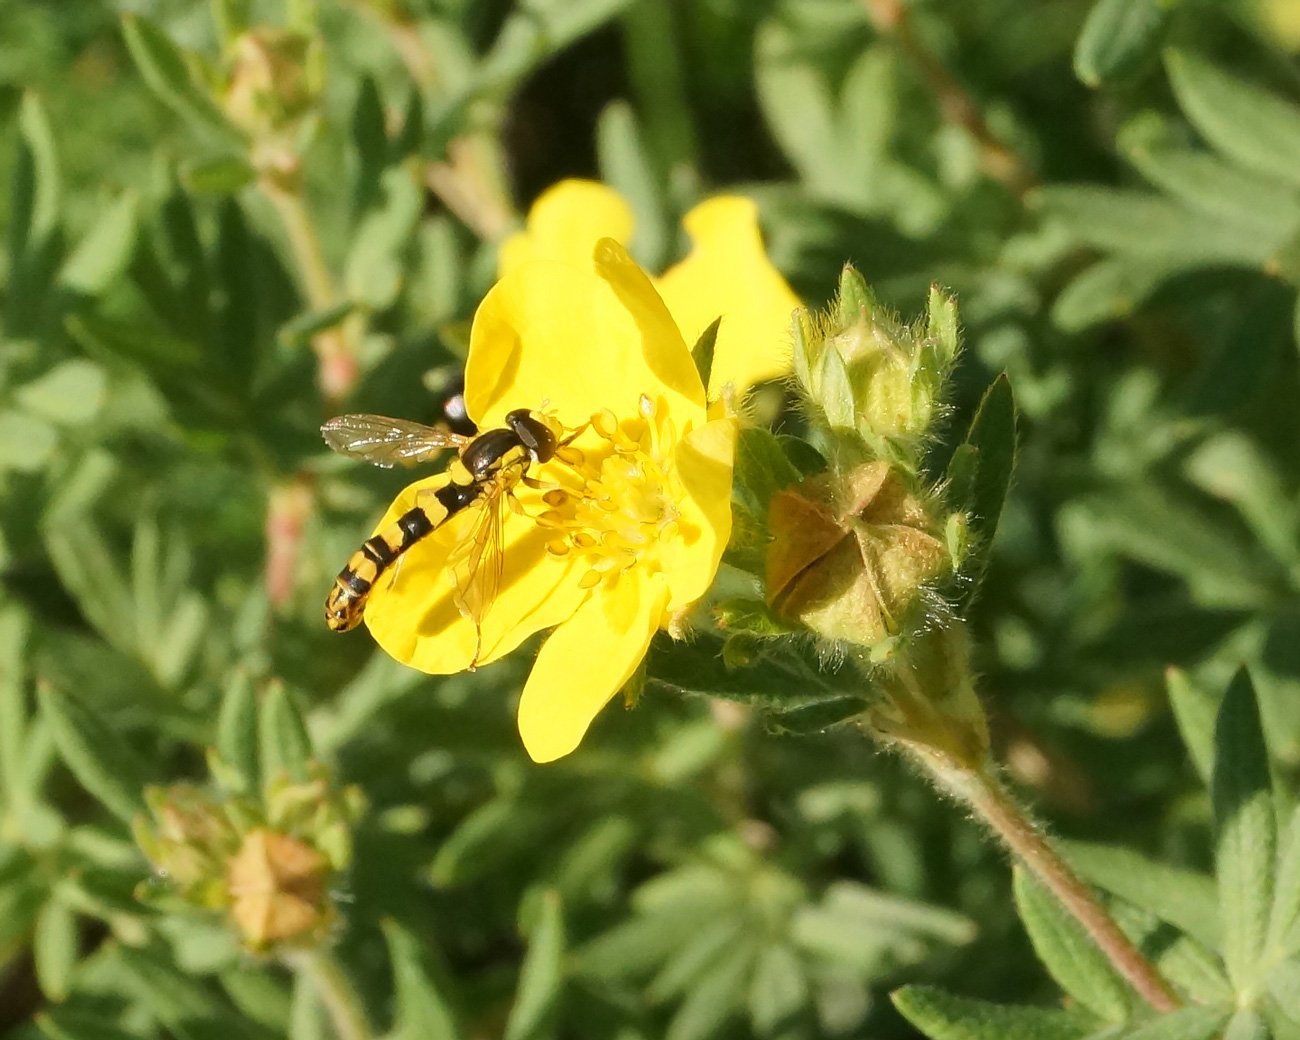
{"x":1112,"y":189}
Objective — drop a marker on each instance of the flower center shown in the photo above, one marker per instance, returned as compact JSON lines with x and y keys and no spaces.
{"x":620,"y":496}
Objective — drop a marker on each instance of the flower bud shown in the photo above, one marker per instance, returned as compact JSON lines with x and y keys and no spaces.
{"x":852,"y":557}
{"x":871,"y":377}
{"x":273,"y":80}
{"x":276,"y":886}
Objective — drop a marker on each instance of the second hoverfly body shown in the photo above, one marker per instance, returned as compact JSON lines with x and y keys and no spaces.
{"x":483,"y":474}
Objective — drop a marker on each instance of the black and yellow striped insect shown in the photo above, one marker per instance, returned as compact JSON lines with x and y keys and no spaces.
{"x":482,"y":476}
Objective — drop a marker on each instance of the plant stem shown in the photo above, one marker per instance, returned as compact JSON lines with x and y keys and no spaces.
{"x":337,"y":994}
{"x":336,"y":358}
{"x":891,"y":19}
{"x":986,"y":795}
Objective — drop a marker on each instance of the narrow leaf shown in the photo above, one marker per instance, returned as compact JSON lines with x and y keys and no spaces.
{"x":1068,"y":953}
{"x":542,"y":974}
{"x":98,"y":758}
{"x":702,"y":352}
{"x":992,"y":439}
{"x":1182,"y":898}
{"x":106,"y":250}
{"x":237,"y":722}
{"x":1247,"y":829}
{"x":944,"y":1017}
{"x":282,"y":732}
{"x":54,"y":949}
{"x":1118,"y":39}
{"x":163,"y":67}
{"x":422,"y":1012}
{"x":1245,"y":123}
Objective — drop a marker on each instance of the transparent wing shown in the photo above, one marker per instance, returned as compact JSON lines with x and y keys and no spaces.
{"x":478,"y":562}
{"x":384,"y":442}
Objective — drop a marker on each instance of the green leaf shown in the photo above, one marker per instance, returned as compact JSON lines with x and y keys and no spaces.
{"x":54,"y":949}
{"x":626,"y":166}
{"x":375,"y":266}
{"x":98,"y":757}
{"x":1146,"y":225}
{"x":237,"y":722}
{"x":987,"y":478}
{"x":778,"y":990}
{"x":282,"y":736}
{"x":34,"y":206}
{"x":14,"y":631}
{"x":1189,"y":1023}
{"x":717,"y":994}
{"x":1247,"y":124}
{"x":1285,"y":913}
{"x":542,"y":975}
{"x":1118,"y":39}
{"x":1069,"y":953}
{"x":103,"y":254}
{"x":224,"y":175}
{"x":422,"y":1012}
{"x":1205,"y":182}
{"x":1111,"y":288}
{"x":1247,"y":1024}
{"x":26,"y":442}
{"x":1182,"y":898}
{"x":762,"y":468}
{"x":62,"y":1024}
{"x":88,"y":569}
{"x":702,"y":352}
{"x":798,"y":106}
{"x":944,"y":1017}
{"x":1247,"y":830}
{"x":301,"y":329}
{"x":70,"y":394}
{"x":1194,"y":711}
{"x":164,"y":69}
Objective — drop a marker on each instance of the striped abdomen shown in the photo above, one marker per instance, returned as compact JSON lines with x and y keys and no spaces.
{"x":347,"y":599}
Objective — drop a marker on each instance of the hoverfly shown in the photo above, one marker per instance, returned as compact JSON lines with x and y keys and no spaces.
{"x":483,"y":476}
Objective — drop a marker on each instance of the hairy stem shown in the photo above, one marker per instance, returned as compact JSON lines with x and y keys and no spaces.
{"x":989,"y":799}
{"x":338,"y":995}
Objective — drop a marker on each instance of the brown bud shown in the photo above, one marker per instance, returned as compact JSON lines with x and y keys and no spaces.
{"x":276,"y":885}
{"x":851,"y":554}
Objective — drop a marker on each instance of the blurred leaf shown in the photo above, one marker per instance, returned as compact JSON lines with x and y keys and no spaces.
{"x":34,"y":206}
{"x":1118,"y":39}
{"x":946,"y":1017}
{"x":1146,"y":225}
{"x":1186,"y":900}
{"x":307,"y":324}
{"x":163,"y":67}
{"x":1205,"y":182}
{"x":1247,"y":1024}
{"x":1285,"y":912}
{"x":1245,"y":123}
{"x":626,"y":167}
{"x":224,"y":175}
{"x":14,"y":629}
{"x":282,"y":736}
{"x":97,"y":757}
{"x":26,"y":442}
{"x":1069,"y":953}
{"x":542,"y":975}
{"x":66,"y":1025}
{"x":1247,"y":830}
{"x":87,"y":568}
{"x":1194,"y":711}
{"x":54,"y":949}
{"x":716,"y":994}
{"x":375,"y":267}
{"x":104,"y":253}
{"x":1111,"y":288}
{"x":71,"y":393}
{"x":778,"y":990}
{"x":237,"y":723}
{"x":422,"y":1012}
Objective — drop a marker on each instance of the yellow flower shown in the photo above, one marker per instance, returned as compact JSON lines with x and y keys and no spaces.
{"x":727,"y":273}
{"x":624,"y":541}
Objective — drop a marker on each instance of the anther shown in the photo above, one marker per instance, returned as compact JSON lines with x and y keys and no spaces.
{"x":590,"y":580}
{"x":556,"y":497}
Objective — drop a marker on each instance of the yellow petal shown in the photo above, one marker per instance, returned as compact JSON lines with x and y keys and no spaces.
{"x":585,"y":661}
{"x":703,"y":461}
{"x":565,"y":222}
{"x":579,"y":340}
{"x":728,"y":273}
{"x":414,"y":616}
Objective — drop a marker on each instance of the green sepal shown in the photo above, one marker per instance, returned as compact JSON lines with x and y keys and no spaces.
{"x":702,"y":352}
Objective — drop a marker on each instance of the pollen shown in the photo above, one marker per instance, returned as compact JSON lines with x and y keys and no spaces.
{"x":619,"y":500}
